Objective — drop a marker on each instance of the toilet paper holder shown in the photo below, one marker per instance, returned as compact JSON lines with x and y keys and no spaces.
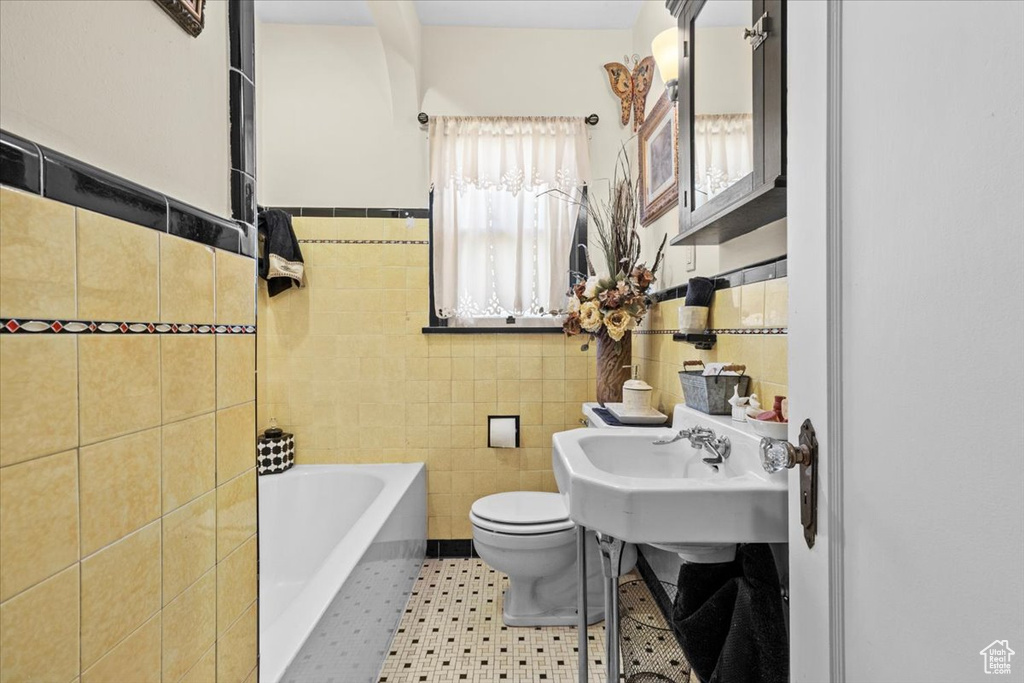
{"x":498,"y":435}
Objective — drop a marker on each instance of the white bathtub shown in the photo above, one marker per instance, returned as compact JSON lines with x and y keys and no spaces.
{"x":340,"y":547}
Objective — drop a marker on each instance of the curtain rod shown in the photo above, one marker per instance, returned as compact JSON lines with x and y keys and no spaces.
{"x":590,"y":120}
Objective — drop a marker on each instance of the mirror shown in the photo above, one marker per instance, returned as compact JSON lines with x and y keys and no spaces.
{"x":723,"y":131}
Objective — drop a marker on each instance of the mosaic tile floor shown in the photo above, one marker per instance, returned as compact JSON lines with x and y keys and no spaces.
{"x":452,"y":631}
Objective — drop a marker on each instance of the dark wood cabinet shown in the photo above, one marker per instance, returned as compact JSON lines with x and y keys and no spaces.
{"x":737,"y":204}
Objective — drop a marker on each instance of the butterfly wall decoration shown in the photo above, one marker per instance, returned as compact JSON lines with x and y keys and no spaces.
{"x":632,"y":87}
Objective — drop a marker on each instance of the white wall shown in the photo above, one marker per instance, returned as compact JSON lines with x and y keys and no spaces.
{"x":329,"y":137}
{"x":121,"y":86}
{"x":933,"y":322}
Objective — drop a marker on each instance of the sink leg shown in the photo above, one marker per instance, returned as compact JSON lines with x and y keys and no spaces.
{"x":581,"y":600}
{"x":611,"y":559}
{"x":612,"y":631}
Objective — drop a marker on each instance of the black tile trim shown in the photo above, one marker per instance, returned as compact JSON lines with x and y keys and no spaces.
{"x":74,"y":182}
{"x":350,"y":212}
{"x":44,"y":326}
{"x":493,"y":330}
{"x":241,"y":24}
{"x":249,"y":239}
{"x":339,"y":212}
{"x":758,"y":272}
{"x":318,"y":212}
{"x":243,"y":196}
{"x":20,"y":165}
{"x":397,"y":213}
{"x":450,"y":548}
{"x":199,"y":226}
{"x":70,"y":181}
{"x":242,"y":102}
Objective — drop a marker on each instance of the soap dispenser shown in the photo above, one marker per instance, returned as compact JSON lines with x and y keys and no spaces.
{"x":636,"y":393}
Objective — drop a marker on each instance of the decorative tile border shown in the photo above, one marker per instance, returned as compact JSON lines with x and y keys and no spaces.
{"x":752,"y":330}
{"x":38,"y":326}
{"x":743,"y":330}
{"x":364,"y":242}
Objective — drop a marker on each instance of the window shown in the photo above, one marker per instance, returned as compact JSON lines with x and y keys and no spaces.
{"x":506,"y":194}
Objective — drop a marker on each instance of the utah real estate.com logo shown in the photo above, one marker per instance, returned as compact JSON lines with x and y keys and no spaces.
{"x":997,"y":657}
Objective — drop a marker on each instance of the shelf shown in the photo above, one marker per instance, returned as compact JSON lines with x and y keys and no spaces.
{"x":704,"y":341}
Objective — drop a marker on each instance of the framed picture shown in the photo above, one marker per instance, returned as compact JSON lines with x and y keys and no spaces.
{"x":659,"y":161}
{"x":188,"y":14}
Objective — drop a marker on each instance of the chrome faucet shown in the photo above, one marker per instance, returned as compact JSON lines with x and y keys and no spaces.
{"x":703,"y":438}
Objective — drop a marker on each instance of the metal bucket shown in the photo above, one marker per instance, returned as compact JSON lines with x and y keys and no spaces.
{"x":711,"y":393}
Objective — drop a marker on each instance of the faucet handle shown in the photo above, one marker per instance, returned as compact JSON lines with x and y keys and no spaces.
{"x":682,"y":434}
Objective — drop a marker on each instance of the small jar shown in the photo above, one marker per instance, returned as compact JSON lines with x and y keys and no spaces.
{"x":636,"y":396}
{"x":275,"y":450}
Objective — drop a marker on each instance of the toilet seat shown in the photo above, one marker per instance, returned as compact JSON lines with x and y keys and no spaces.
{"x":521,"y":513}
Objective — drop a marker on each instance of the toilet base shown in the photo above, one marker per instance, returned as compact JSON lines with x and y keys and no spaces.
{"x":556,"y":617}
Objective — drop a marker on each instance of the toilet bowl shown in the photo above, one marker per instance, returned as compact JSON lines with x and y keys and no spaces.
{"x":529,"y":536}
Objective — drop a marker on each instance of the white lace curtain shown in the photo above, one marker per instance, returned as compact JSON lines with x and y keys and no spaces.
{"x":723,"y":149}
{"x":502,"y":239}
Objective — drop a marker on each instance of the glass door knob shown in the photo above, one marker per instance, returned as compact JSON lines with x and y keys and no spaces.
{"x":780,"y":455}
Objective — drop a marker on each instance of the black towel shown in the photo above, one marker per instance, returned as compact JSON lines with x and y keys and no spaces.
{"x":699,"y":291}
{"x":730,"y":619}
{"x":281,"y":262}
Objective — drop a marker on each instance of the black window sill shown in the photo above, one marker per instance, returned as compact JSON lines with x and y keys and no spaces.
{"x":492,"y":330}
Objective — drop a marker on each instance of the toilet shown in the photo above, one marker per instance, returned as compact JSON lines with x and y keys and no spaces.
{"x":528,"y":536}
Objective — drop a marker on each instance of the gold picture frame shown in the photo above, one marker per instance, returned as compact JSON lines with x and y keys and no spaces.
{"x":190,"y":14}
{"x":658,"y":154}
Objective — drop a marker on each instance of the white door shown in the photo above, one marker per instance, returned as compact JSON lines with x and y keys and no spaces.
{"x":906,"y":337}
{"x":807,"y":50}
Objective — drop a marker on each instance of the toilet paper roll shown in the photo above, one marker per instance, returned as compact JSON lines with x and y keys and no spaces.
{"x":503,"y":432}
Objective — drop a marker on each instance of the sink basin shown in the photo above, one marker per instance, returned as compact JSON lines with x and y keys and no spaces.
{"x":618,"y":482}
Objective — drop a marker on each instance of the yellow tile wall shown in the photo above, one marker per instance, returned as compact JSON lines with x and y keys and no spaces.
{"x":758,"y":305}
{"x":127,"y":480}
{"x":345,"y":366}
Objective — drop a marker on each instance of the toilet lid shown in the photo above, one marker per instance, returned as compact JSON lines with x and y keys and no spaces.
{"x":521,"y":529}
{"x":521,"y":507}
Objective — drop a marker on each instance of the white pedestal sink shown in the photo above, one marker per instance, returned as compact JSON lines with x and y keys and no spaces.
{"x":619,"y":483}
{"x":628,"y":489}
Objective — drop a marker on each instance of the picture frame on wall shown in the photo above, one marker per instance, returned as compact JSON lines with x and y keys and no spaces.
{"x":188,"y":13}
{"x":658,"y":154}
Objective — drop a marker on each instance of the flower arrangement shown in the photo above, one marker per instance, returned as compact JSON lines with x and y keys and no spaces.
{"x":617,"y":303}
